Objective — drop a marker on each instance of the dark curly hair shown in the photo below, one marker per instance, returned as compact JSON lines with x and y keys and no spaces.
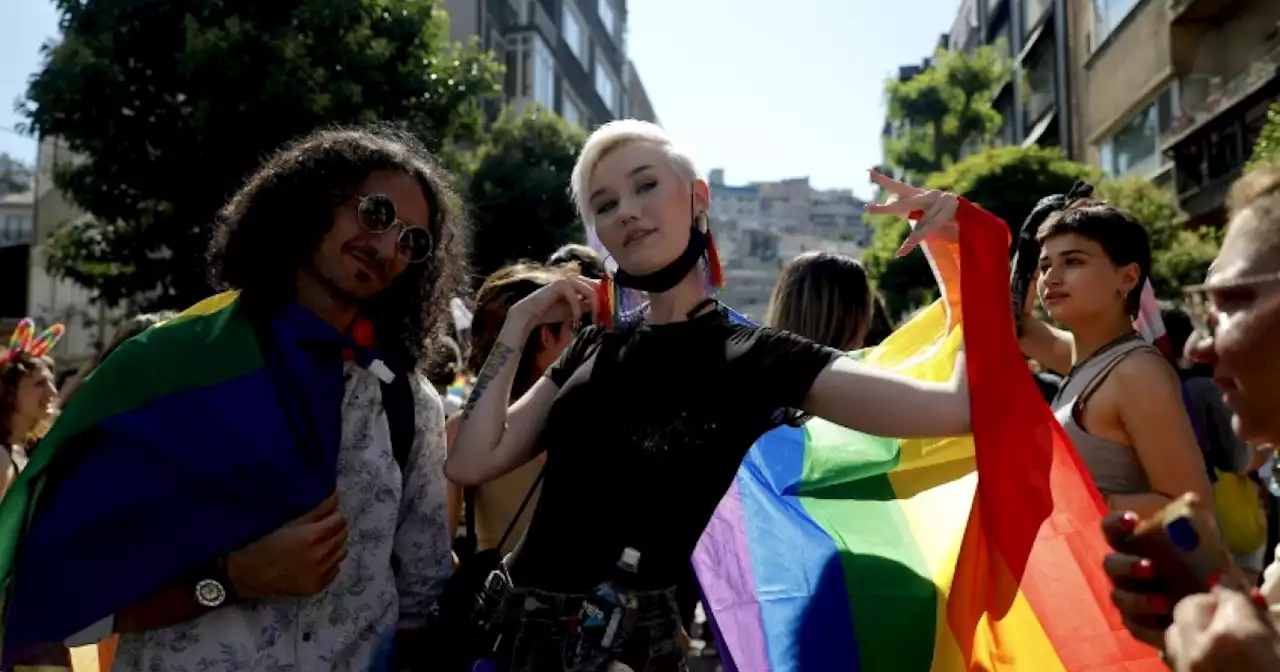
{"x":272,"y":226}
{"x":12,"y":373}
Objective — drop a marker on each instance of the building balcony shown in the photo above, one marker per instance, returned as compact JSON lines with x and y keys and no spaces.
{"x":1180,"y":11}
{"x":1205,"y":96}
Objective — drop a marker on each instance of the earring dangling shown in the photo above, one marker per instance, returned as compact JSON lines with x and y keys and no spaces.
{"x":606,"y":302}
{"x":715,"y":270}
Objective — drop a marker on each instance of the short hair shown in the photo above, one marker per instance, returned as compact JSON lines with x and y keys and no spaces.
{"x":272,"y":226}
{"x":824,"y":297}
{"x":1258,"y":193}
{"x":1178,"y":327}
{"x":1122,"y":238}
{"x":500,"y":291}
{"x":582,"y":257}
{"x":611,"y":136}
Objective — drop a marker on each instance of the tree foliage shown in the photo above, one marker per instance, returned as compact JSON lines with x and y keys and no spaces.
{"x":944,"y":110}
{"x":1267,"y":149}
{"x":15,"y":176}
{"x":520,"y":189}
{"x":937,"y":115}
{"x":171,"y":104}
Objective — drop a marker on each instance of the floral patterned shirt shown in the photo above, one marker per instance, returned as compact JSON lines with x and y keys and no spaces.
{"x":351,"y":624}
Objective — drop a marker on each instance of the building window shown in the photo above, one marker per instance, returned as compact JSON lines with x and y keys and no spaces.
{"x":572,"y":110}
{"x":574,"y":30}
{"x":16,"y":229}
{"x":1107,"y":14}
{"x":1032,"y":12}
{"x":531,"y":69}
{"x":1040,"y":82}
{"x":1135,"y":148}
{"x":609,"y":17}
{"x":607,"y":85}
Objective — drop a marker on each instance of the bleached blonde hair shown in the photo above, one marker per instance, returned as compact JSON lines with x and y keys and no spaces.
{"x":611,"y":136}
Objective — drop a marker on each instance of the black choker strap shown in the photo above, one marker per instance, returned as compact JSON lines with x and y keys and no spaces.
{"x":670,"y":275}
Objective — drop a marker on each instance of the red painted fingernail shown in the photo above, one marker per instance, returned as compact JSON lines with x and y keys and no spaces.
{"x":1214,"y":580}
{"x":915,"y":214}
{"x":1143,"y":569}
{"x":1158,"y":603}
{"x":1129,"y":521}
{"x":1258,"y":598}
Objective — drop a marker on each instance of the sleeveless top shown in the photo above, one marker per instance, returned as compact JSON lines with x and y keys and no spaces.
{"x":497,"y":502}
{"x":1115,"y":468}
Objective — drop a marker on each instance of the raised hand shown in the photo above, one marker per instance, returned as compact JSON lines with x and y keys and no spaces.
{"x":930,"y":212}
{"x":1222,"y":630}
{"x":564,"y":299}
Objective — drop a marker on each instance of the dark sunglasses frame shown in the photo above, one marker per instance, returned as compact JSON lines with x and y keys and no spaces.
{"x":377,"y":214}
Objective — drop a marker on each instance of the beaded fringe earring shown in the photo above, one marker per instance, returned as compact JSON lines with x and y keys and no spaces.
{"x":711,"y":258}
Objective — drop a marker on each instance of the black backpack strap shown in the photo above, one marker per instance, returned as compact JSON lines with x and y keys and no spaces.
{"x":470,"y":542}
{"x":397,"y":401}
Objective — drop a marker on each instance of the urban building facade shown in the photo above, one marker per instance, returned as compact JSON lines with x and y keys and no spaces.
{"x":569,"y":56}
{"x":17,"y":223}
{"x":1176,"y":91}
{"x":760,"y":226}
{"x":1035,"y":102}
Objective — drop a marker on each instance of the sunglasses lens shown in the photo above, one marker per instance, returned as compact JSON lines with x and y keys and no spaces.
{"x":377,"y":213}
{"x":416,"y":244}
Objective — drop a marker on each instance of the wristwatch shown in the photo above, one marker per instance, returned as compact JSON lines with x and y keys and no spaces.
{"x":212,"y":587}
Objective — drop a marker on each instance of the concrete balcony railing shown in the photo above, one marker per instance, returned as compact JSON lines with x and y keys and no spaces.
{"x":1204,"y":96}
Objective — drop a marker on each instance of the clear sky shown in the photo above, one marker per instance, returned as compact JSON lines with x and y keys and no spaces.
{"x":762,"y":88}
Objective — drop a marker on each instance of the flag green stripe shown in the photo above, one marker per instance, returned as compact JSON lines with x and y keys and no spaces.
{"x":892,"y":598}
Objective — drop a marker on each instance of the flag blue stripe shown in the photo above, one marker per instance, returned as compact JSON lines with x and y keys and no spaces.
{"x":800,"y":583}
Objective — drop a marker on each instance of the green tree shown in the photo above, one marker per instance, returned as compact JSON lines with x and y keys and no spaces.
{"x":171,"y":104}
{"x":944,"y":110}
{"x":1267,"y":149}
{"x":937,"y":115}
{"x":519,"y":189}
{"x":15,"y":176}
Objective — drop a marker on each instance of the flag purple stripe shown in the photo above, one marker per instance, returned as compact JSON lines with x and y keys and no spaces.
{"x":723,"y":564}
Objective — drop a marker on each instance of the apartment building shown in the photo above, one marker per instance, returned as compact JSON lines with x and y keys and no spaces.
{"x":569,"y":56}
{"x":762,"y":225}
{"x":1035,"y":102}
{"x":1175,"y":91}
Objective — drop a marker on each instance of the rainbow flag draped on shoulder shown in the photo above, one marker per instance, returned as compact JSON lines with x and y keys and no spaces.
{"x":197,"y":436}
{"x":837,"y":550}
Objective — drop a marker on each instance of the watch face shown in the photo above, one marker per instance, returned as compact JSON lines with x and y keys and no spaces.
{"x":210,"y":593}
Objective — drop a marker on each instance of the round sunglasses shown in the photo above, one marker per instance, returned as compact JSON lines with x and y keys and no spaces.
{"x":377,"y":215}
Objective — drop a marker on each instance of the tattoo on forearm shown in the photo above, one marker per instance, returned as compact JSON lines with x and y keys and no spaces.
{"x":497,"y":358}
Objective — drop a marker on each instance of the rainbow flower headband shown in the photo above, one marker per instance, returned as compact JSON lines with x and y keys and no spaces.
{"x":24,"y":340}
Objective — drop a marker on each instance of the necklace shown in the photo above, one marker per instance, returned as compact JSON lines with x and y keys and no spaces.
{"x":1125,"y":338}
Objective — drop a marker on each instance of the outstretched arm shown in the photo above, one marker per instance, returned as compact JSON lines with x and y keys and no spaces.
{"x":887,"y":404}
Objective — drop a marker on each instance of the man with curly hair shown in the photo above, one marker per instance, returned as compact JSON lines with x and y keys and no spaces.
{"x":360,"y":229}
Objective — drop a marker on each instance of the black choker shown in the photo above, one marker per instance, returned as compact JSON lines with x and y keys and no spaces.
{"x":670,"y":275}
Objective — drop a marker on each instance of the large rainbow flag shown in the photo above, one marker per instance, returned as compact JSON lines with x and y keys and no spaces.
{"x":197,"y":436}
{"x":836,"y":550}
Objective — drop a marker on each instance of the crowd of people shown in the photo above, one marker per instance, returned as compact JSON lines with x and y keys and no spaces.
{"x":609,"y":406}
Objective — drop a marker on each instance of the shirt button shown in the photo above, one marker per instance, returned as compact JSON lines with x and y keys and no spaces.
{"x":306,"y":636}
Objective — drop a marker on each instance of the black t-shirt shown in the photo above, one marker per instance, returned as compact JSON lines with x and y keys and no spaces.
{"x":643,"y":442}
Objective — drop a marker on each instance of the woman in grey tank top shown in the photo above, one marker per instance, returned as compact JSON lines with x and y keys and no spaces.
{"x":1121,"y":401}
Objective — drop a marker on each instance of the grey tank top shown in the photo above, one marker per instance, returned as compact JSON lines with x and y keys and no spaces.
{"x":1115,"y":468}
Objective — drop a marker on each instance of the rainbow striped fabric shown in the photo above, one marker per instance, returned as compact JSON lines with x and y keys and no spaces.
{"x":839,"y":550}
{"x":196,"y":436}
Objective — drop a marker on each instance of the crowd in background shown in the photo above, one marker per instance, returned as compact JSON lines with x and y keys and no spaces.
{"x":1150,"y":424}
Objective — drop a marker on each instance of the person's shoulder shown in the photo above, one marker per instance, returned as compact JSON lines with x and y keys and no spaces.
{"x":1151,"y":372}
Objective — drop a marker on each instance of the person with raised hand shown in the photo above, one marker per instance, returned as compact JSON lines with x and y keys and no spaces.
{"x":634,"y":461}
